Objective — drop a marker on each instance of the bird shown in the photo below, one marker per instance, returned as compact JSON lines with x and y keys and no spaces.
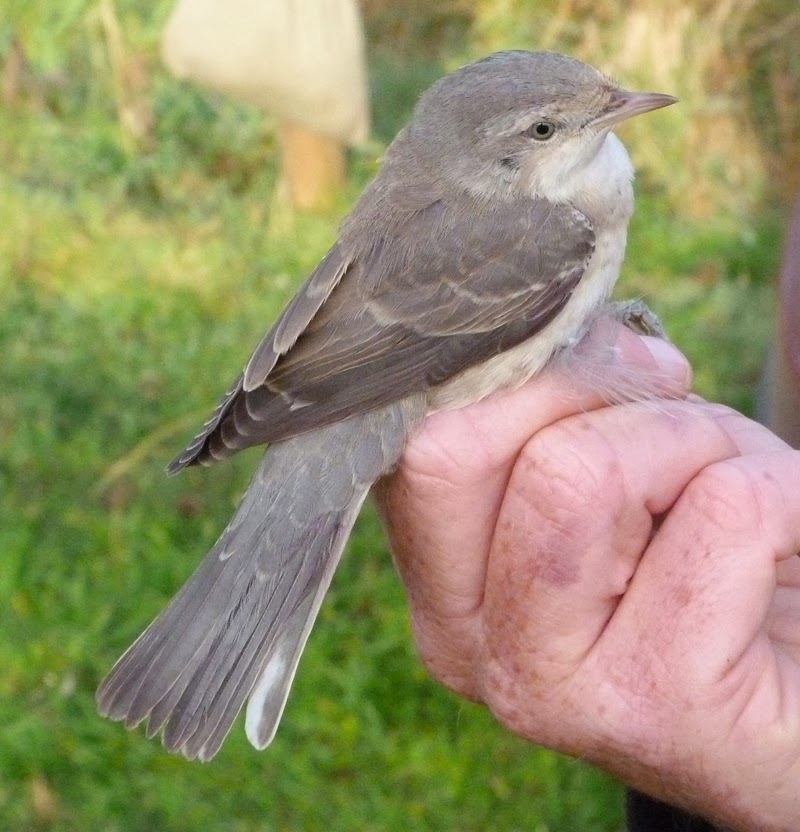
{"x":484,"y":247}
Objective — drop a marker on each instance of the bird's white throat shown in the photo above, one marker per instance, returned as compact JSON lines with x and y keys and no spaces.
{"x":602,"y":189}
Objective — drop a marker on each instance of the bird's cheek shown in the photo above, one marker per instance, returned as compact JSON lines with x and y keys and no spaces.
{"x":551,"y":168}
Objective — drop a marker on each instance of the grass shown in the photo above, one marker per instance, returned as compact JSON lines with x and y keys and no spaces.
{"x":134,"y":287}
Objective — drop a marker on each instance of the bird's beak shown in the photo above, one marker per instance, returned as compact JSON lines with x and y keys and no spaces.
{"x":625,"y":104}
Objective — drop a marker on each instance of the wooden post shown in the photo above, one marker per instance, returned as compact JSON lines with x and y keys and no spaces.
{"x":129,"y":76}
{"x":13,"y":72}
{"x":313,"y":166}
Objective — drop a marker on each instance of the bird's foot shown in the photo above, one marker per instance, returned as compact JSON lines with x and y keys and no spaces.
{"x":638,"y":317}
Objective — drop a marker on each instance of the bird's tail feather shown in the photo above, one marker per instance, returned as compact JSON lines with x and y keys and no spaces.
{"x":238,"y":626}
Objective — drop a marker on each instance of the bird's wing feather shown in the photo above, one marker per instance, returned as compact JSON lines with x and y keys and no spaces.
{"x":238,"y":625}
{"x":291,"y":323}
{"x":452,"y":286}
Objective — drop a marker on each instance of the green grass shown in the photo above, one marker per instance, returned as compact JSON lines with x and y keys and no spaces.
{"x":133,"y":289}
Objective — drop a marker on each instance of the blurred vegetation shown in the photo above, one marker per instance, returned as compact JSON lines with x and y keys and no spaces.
{"x":138,"y":269}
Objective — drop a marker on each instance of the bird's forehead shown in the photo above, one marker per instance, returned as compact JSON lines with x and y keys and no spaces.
{"x":508,"y":81}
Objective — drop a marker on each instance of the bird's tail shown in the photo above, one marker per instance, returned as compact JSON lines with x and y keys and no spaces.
{"x":236,"y":629}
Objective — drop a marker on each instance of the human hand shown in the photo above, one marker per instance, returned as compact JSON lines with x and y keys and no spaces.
{"x":617,"y":583}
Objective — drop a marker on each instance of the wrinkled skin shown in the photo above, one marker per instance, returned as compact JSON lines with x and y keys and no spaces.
{"x":616,"y":582}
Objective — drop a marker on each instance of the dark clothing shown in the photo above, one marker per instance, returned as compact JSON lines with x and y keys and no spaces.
{"x":648,"y":815}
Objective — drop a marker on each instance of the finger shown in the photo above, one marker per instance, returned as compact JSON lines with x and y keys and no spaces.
{"x":753,"y":438}
{"x":749,"y":437}
{"x":577,"y":516}
{"x":497,"y":427}
{"x":715,"y":559}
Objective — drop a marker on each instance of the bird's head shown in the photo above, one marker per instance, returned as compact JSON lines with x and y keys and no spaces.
{"x":516,"y":120}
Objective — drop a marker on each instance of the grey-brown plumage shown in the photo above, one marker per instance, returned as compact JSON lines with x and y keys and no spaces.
{"x":418,"y":310}
{"x":191,"y":670}
{"x":479,"y":250}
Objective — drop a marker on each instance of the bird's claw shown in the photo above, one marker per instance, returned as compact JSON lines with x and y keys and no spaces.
{"x":638,"y":317}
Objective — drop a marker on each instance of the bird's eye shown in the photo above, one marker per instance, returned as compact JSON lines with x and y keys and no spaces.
{"x":540,"y":130}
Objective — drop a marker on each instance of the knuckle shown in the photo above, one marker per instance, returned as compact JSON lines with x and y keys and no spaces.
{"x":447,"y":656}
{"x":528,"y":703}
{"x":571,"y":464}
{"x":440,"y":461}
{"x":724,"y":496}
{"x":501,"y":694}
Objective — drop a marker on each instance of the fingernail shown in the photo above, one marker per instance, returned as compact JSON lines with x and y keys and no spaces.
{"x":668,"y":357}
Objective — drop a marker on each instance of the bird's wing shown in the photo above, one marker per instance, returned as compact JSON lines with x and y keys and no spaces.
{"x":449,"y":288}
{"x":290,"y":324}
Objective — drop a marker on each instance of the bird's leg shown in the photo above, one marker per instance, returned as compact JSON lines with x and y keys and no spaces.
{"x":638,"y":317}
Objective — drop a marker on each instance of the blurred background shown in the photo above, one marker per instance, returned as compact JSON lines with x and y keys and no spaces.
{"x":150,"y":232}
